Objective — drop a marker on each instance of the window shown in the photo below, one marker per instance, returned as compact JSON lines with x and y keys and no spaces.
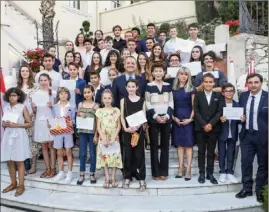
{"x":116,"y":3}
{"x":75,"y":4}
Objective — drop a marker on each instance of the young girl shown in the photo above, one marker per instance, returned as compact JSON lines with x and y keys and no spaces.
{"x":87,"y":109}
{"x":112,"y":74}
{"x":15,"y":142}
{"x":182,"y":129}
{"x":96,"y":66}
{"x":57,"y":63}
{"x":26,"y":84}
{"x":41,"y":130}
{"x":130,"y":105}
{"x":68,"y":58}
{"x":64,"y":109}
{"x":143,"y":66}
{"x":108,"y":127}
{"x":78,"y":61}
{"x":159,"y":102}
{"x":69,"y":46}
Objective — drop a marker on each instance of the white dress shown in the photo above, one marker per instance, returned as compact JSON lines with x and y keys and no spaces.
{"x":41,"y":129}
{"x":15,"y":142}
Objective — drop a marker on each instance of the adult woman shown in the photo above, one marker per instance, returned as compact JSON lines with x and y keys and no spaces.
{"x":143,"y":66}
{"x":96,"y":65}
{"x":182,"y":128}
{"x":79,"y":43}
{"x":27,"y":84}
{"x":208,"y":62}
{"x":112,"y":61}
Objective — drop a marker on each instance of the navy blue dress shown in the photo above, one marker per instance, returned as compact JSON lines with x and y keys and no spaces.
{"x":182,"y":135}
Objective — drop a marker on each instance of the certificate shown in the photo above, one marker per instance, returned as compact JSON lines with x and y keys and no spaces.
{"x":40,"y":98}
{"x":69,"y":84}
{"x":113,"y":148}
{"x":233,"y":113}
{"x":8,"y":116}
{"x":136,"y":119}
{"x":215,"y":73}
{"x":57,"y":123}
{"x":195,"y":67}
{"x":185,"y":57}
{"x":172,"y":71}
{"x":85,"y":123}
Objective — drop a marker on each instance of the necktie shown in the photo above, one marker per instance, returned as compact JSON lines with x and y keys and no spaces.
{"x":251,"y":111}
{"x":130,"y":77}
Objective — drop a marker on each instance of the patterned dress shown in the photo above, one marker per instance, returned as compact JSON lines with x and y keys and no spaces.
{"x":108,"y":119}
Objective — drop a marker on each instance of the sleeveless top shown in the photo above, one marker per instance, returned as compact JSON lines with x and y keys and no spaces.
{"x":89,"y":113}
{"x":132,"y":107}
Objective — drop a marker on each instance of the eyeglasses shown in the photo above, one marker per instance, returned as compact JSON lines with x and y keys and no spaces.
{"x":229,"y":91}
{"x":13,"y":95}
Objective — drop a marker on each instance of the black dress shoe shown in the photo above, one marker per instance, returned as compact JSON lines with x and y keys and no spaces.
{"x":201,"y":178}
{"x":212,"y":179}
{"x":259,"y":196}
{"x":243,"y":194}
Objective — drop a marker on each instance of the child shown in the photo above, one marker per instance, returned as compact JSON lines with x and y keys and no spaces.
{"x":87,"y":109}
{"x":57,"y":63}
{"x":228,"y":137}
{"x":108,"y":47}
{"x":133,"y":154}
{"x":63,"y":109}
{"x":159,"y":102}
{"x":131,"y":45}
{"x":15,"y":142}
{"x":108,"y":127}
{"x":112,"y":74}
{"x":41,"y":130}
{"x":98,"y":88}
{"x":207,"y":112}
{"x":87,"y":57}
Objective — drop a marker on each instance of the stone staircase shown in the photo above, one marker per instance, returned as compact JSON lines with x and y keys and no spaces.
{"x":172,"y":195}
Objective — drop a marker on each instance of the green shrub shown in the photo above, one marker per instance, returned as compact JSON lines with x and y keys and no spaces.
{"x":207,"y":31}
{"x":265,"y":194}
{"x":86,"y":29}
{"x":165,"y":27}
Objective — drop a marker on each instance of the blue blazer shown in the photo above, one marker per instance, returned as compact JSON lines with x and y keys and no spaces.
{"x":99,"y":95}
{"x":119,"y":90}
{"x":224,"y":127}
{"x":108,"y":87}
{"x":262,"y":116}
{"x":80,"y":84}
{"x":143,"y":46}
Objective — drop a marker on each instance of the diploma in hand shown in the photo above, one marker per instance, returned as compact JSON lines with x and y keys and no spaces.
{"x":136,"y":119}
{"x":172,"y":71}
{"x":85,"y":123}
{"x":195,"y":67}
{"x":69,"y":84}
{"x":8,"y":116}
{"x":233,"y":113}
{"x":40,"y":98}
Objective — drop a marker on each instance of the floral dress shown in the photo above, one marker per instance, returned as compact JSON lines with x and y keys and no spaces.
{"x":34,"y":147}
{"x":108,"y":119}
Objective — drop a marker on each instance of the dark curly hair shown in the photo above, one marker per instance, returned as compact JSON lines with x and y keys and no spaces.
{"x":108,"y":63}
{"x":17,"y":91}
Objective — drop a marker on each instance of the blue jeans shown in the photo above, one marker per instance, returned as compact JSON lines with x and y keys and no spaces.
{"x":226,"y":154}
{"x":84,"y":139}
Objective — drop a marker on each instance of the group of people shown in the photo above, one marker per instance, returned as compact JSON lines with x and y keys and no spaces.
{"x":116,"y":78}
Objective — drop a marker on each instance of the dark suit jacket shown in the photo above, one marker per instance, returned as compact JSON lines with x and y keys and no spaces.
{"x":262,"y":116}
{"x":224,"y":127}
{"x":80,"y":84}
{"x":208,"y":114}
{"x":143,"y":46}
{"x":119,"y":90}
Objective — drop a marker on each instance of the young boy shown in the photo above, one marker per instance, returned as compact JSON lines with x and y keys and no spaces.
{"x":193,"y":30}
{"x":108,"y":47}
{"x":228,"y":137}
{"x":87,"y":57}
{"x":131,"y":45}
{"x":98,"y":88}
{"x":149,"y":45}
{"x":207,"y":109}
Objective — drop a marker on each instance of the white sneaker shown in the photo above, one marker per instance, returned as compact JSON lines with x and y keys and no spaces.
{"x":68,"y":178}
{"x":59,"y":176}
{"x":222,"y":178}
{"x":232,"y":178}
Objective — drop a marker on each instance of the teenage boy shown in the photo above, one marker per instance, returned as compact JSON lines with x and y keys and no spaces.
{"x":108,"y":47}
{"x":136,"y":34}
{"x":228,"y":137}
{"x":48,"y":61}
{"x":151,"y":30}
{"x":98,"y":88}
{"x":118,"y":42}
{"x":128,"y":35}
{"x":207,"y":109}
{"x":162,"y":37}
{"x":193,"y":30}
{"x":87,"y":57}
{"x":149,"y":45}
{"x":131,"y":45}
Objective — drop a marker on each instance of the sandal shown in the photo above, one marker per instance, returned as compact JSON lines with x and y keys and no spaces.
{"x":92,"y":176}
{"x":114,"y":183}
{"x":11,"y":187}
{"x":126,"y":183}
{"x":81,"y":179}
{"x":143,"y":185}
{"x":19,"y":191}
{"x":52,"y":173}
{"x":44,"y":174}
{"x":106,"y":184}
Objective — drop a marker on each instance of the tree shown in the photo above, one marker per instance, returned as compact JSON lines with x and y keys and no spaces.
{"x":205,"y":11}
{"x":48,"y":13}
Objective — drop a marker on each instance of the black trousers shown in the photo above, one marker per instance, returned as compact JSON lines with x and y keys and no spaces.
{"x":250,"y":146}
{"x":134,"y":157}
{"x":159,"y":167}
{"x":226,"y":154}
{"x":206,"y":141}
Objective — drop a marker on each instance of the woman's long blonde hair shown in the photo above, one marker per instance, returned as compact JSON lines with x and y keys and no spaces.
{"x":188,"y":86}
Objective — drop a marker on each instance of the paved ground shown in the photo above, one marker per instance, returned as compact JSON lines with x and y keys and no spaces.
{"x":5,"y":209}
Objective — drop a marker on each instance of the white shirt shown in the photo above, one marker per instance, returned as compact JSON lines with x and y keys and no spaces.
{"x":230,"y":133}
{"x":173,"y":45}
{"x":104,"y":78}
{"x":104,"y":53}
{"x":55,"y":77}
{"x":208,"y":97}
{"x":128,"y":76}
{"x":135,"y":55}
{"x":256,"y":107}
{"x":87,"y":58}
{"x":148,"y":54}
{"x":197,"y":42}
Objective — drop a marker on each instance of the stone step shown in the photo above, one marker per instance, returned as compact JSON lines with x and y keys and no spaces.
{"x":170,"y":187}
{"x":44,"y":200}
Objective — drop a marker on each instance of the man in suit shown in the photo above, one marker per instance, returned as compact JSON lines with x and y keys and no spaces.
{"x":151,"y":30}
{"x":207,"y":109}
{"x":118,"y":87}
{"x":254,"y":137}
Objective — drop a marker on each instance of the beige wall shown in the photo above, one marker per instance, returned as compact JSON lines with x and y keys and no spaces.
{"x":155,"y":11}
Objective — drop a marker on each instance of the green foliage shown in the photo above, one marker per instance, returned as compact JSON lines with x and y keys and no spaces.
{"x":165,"y":27}
{"x":228,"y":10}
{"x":205,"y":11}
{"x":86,"y":29}
{"x":207,"y":31}
{"x":86,"y":24}
{"x":265,"y":194}
{"x":182,"y":29}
